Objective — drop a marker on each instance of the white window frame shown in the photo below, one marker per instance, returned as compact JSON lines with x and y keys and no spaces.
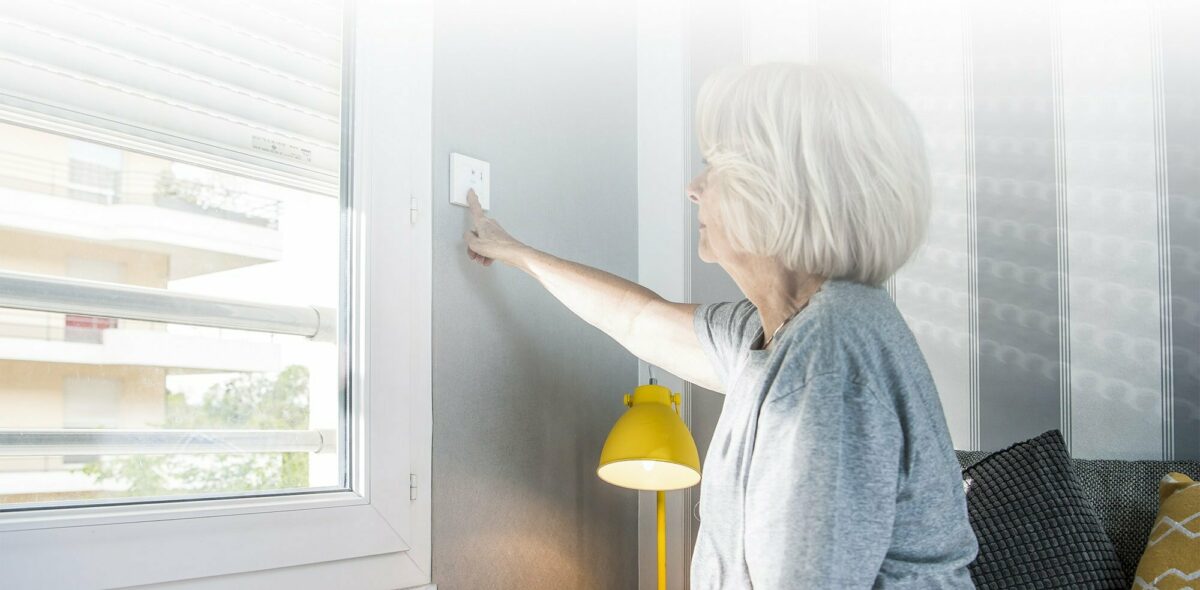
{"x":375,"y":535}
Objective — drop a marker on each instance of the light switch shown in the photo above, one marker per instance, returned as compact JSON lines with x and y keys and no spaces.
{"x":468,"y":173}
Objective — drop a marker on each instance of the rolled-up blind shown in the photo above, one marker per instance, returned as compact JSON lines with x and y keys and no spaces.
{"x":250,"y":87}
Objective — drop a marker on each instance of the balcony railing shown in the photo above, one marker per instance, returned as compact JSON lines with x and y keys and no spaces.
{"x":97,"y":184}
{"x":33,"y":325}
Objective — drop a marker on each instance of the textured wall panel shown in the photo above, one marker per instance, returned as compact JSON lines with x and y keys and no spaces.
{"x":933,"y":290}
{"x":1180,"y":27}
{"x":1016,"y":220}
{"x":1108,"y":104}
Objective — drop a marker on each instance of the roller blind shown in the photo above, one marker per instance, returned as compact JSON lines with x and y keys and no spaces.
{"x":250,"y":87}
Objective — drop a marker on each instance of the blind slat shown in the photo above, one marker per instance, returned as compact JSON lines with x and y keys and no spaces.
{"x":241,"y":66}
{"x":248,"y":89}
{"x":161,"y":81}
{"x":75,"y":296}
{"x":97,"y":441}
{"x":320,"y":40}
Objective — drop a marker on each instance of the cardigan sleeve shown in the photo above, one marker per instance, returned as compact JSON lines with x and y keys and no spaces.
{"x":725,"y":331}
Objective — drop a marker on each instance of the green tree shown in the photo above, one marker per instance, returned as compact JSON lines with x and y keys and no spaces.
{"x":252,"y":402}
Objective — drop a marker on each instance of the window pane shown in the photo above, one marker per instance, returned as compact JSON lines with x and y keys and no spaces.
{"x":101,"y":409}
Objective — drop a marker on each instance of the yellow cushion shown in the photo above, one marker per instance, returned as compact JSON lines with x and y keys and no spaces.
{"x":1172,"y":557}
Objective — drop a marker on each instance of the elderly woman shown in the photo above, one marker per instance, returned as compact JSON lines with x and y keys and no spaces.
{"x":831,"y":465}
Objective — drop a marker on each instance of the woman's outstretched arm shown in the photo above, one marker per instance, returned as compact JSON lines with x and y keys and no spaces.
{"x":653,"y":329}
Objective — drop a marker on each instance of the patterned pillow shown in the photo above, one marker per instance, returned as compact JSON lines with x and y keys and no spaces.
{"x":1172,"y":557}
{"x":1035,"y":526}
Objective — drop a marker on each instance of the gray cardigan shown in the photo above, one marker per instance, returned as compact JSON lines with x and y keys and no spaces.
{"x":831,"y":465}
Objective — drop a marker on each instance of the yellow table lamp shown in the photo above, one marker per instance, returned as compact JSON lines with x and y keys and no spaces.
{"x":650,"y":448}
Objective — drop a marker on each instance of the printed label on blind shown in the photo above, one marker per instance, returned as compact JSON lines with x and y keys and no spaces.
{"x":281,"y":148}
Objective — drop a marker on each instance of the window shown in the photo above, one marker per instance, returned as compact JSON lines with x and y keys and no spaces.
{"x":194,"y":315}
{"x":154,"y":410}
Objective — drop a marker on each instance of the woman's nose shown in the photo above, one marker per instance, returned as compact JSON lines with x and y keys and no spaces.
{"x":692,"y":193}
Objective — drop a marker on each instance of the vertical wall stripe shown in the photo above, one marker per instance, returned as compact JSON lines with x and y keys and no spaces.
{"x":886,"y":42}
{"x":746,"y":9}
{"x":1112,"y":205}
{"x":688,"y":497}
{"x":886,"y":49}
{"x":972,"y":223}
{"x":1016,"y":220}
{"x":783,"y":30}
{"x":1164,"y":230}
{"x":1062,"y":224}
{"x":814,"y":30}
{"x":925,"y":42}
{"x":857,"y":42}
{"x":1180,"y":39}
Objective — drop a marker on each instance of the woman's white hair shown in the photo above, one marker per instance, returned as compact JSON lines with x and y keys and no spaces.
{"x":820,"y":168}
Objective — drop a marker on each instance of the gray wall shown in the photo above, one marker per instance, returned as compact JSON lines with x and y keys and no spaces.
{"x":1060,"y":285}
{"x":524,"y":393}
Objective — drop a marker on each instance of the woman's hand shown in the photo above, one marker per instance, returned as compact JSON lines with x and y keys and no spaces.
{"x":486,"y":240}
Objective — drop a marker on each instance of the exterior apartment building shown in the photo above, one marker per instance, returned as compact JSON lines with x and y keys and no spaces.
{"x":79,"y":210}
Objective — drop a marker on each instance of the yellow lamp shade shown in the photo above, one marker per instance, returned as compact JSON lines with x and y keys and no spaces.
{"x":650,"y":448}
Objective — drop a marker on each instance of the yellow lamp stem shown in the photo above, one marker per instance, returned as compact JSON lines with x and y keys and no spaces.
{"x":662,"y":539}
{"x":650,"y":448}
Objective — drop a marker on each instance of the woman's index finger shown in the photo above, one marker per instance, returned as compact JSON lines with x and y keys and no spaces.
{"x":473,"y":203}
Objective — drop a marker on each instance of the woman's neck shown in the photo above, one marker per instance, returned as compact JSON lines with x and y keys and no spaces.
{"x":778,"y":292}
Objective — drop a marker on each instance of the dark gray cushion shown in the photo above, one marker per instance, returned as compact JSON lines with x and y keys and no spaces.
{"x":969,"y":458}
{"x":1125,"y":495}
{"x":1035,"y":525}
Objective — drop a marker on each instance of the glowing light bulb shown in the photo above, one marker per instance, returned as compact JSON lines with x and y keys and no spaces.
{"x":647,"y":465}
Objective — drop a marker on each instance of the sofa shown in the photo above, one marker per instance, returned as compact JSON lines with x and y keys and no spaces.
{"x":1124,"y":494}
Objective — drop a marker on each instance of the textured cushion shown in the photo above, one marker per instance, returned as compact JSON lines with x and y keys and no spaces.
{"x":969,"y":458}
{"x":1172,"y":558}
{"x":1036,"y":527}
{"x":1125,"y":493}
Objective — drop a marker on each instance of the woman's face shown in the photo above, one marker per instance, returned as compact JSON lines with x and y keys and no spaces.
{"x":714,"y":242}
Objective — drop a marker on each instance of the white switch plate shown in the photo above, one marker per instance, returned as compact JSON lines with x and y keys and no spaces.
{"x":468,"y":173}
